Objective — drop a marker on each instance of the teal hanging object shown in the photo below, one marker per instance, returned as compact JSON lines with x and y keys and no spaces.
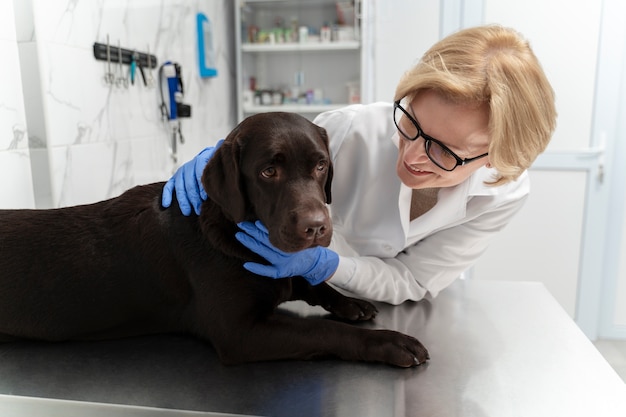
{"x":206,"y":54}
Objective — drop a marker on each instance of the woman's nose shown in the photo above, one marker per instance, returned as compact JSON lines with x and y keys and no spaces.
{"x":415,"y":152}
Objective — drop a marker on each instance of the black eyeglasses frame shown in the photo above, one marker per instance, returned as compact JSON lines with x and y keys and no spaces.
{"x":428,"y":139}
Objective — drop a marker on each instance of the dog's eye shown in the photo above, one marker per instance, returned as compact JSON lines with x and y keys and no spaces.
{"x":322,"y":165}
{"x":268,"y":172}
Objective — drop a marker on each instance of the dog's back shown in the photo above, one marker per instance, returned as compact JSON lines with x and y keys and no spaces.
{"x":82,"y":271}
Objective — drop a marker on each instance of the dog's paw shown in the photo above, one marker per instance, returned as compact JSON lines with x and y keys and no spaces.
{"x":353,"y":309}
{"x":394,"y":348}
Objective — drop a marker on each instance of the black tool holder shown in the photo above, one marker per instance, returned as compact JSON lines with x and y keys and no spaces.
{"x":143,"y":59}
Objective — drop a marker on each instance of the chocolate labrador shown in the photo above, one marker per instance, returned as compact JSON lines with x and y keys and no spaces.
{"x":127,"y":266}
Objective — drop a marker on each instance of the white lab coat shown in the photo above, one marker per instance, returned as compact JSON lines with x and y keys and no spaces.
{"x":383,"y":255}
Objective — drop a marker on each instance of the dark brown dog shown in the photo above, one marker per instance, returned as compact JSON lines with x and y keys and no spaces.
{"x":127,"y":266}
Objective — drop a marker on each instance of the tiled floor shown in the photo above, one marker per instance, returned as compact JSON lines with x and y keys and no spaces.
{"x":614,"y":351}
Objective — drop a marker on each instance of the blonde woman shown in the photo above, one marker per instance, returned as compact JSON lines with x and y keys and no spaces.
{"x":423,"y":184}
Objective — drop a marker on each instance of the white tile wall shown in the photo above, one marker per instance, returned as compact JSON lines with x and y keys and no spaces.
{"x":16,"y":189}
{"x":88,"y":140}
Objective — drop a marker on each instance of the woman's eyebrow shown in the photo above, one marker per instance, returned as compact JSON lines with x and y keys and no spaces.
{"x":453,"y":148}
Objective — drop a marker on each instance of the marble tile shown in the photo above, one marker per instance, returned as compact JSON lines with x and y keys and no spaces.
{"x":31,"y":90}
{"x":82,"y":174}
{"x":89,"y":140}
{"x":42,"y":187}
{"x":78,"y":102}
{"x":91,"y":172}
{"x":16,"y":186}
{"x":13,"y":133}
{"x":7,"y":21}
{"x":24,"y":22}
{"x":64,"y":21}
{"x":16,"y":190}
{"x":151,"y":161}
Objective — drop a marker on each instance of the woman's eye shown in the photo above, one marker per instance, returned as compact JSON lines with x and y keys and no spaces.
{"x":446,"y":153}
{"x":268,"y":172}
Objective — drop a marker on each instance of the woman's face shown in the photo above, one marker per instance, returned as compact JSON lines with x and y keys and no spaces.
{"x":462,"y":128}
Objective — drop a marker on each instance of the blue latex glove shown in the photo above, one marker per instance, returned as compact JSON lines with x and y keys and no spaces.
{"x":187,"y":181}
{"x":316,"y":264}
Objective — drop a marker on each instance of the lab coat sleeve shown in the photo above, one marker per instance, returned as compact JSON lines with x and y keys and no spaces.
{"x":427,"y":267}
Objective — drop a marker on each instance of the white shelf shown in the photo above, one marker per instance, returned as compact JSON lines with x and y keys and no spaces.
{"x":300,"y":47}
{"x":294,"y":108}
{"x":330,"y":67}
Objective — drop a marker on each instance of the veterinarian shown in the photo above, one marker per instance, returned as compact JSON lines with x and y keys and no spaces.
{"x":423,"y":184}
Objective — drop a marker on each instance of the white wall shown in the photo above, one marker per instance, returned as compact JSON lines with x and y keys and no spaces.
{"x":614,"y":318}
{"x":403,"y":31}
{"x":89,"y":140}
{"x":564,"y":35}
{"x":15,"y":170}
{"x":543,"y":241}
{"x":619,"y":316}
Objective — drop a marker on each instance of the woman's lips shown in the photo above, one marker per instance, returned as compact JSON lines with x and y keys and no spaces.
{"x":416,"y":171}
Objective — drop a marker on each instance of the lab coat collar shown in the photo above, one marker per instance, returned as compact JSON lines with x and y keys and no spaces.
{"x":454,"y":199}
{"x":451,"y":205}
{"x":477,"y":181}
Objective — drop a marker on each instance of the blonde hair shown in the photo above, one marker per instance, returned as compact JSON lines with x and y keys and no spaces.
{"x":496,"y":65}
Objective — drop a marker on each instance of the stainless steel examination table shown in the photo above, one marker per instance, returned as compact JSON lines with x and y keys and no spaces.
{"x":497,"y":349}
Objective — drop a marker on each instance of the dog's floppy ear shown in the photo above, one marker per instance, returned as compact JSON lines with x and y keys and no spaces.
{"x":329,"y":178}
{"x":328,"y":184}
{"x":222,"y":180}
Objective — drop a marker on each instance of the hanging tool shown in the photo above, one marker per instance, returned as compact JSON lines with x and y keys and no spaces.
{"x":133,"y":68}
{"x":121,"y":80}
{"x":150,"y":81}
{"x":109,"y":77}
{"x":170,"y":74}
{"x":143,"y":75}
{"x":111,"y":54}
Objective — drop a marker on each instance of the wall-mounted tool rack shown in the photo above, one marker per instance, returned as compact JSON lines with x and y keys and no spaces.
{"x":143,"y":59}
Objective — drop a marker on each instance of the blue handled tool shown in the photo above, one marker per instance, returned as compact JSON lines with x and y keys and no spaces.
{"x":133,"y":68}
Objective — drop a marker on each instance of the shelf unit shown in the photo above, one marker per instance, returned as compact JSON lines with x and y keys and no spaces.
{"x":297,"y":47}
{"x":307,"y":77}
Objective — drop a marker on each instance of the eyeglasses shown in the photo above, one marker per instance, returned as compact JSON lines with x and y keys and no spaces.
{"x":437,"y":152}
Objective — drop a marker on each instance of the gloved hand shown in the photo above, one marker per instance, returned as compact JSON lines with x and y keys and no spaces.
{"x":316,"y":264}
{"x":187,"y":181}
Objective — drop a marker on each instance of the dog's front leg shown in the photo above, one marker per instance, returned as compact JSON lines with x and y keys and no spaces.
{"x":286,"y":337}
{"x":324,"y":295}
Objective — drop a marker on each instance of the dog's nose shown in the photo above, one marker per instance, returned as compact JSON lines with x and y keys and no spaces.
{"x":314,"y":225}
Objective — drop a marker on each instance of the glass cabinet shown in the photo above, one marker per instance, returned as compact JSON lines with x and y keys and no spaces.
{"x":300,"y":56}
